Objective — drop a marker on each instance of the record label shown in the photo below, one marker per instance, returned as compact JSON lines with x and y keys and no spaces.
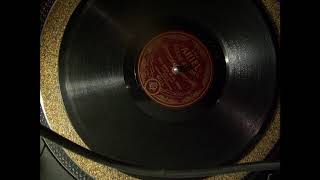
{"x":175,"y":69}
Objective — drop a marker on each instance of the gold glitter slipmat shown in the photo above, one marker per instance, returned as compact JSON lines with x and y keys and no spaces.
{"x":58,"y":120}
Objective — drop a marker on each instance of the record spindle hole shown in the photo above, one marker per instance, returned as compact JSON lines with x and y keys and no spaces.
{"x":176,"y":69}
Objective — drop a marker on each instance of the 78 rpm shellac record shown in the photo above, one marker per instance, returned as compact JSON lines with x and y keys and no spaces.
{"x":166,"y":84}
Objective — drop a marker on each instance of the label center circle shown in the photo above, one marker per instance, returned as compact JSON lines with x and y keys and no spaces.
{"x":175,"y":69}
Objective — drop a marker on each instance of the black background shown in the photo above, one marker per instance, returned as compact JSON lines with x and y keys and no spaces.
{"x":20,"y":89}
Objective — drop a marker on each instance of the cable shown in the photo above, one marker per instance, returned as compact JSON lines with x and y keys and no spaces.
{"x":44,"y":146}
{"x":145,"y":171}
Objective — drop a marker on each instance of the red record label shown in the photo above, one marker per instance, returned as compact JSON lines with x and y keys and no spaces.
{"x":175,"y":69}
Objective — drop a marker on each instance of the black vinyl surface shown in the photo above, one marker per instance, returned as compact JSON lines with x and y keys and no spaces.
{"x":114,"y":117}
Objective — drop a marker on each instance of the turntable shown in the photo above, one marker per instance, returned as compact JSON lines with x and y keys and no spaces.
{"x":161,"y":89}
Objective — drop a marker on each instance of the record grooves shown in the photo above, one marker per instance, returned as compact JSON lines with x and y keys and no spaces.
{"x":109,"y":105}
{"x":99,"y":102}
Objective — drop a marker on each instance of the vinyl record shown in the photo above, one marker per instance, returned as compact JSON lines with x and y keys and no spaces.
{"x":172,"y":85}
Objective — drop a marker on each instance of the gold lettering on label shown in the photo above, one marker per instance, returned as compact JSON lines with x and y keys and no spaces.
{"x":193,"y":84}
{"x":196,"y":68}
{"x":170,"y":58}
{"x":178,"y":53}
{"x":184,"y":50}
{"x":178,"y":85}
{"x":153,"y":86}
{"x":168,"y":55}
{"x":189,"y":55}
{"x":192,"y":58}
{"x":160,"y":74}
